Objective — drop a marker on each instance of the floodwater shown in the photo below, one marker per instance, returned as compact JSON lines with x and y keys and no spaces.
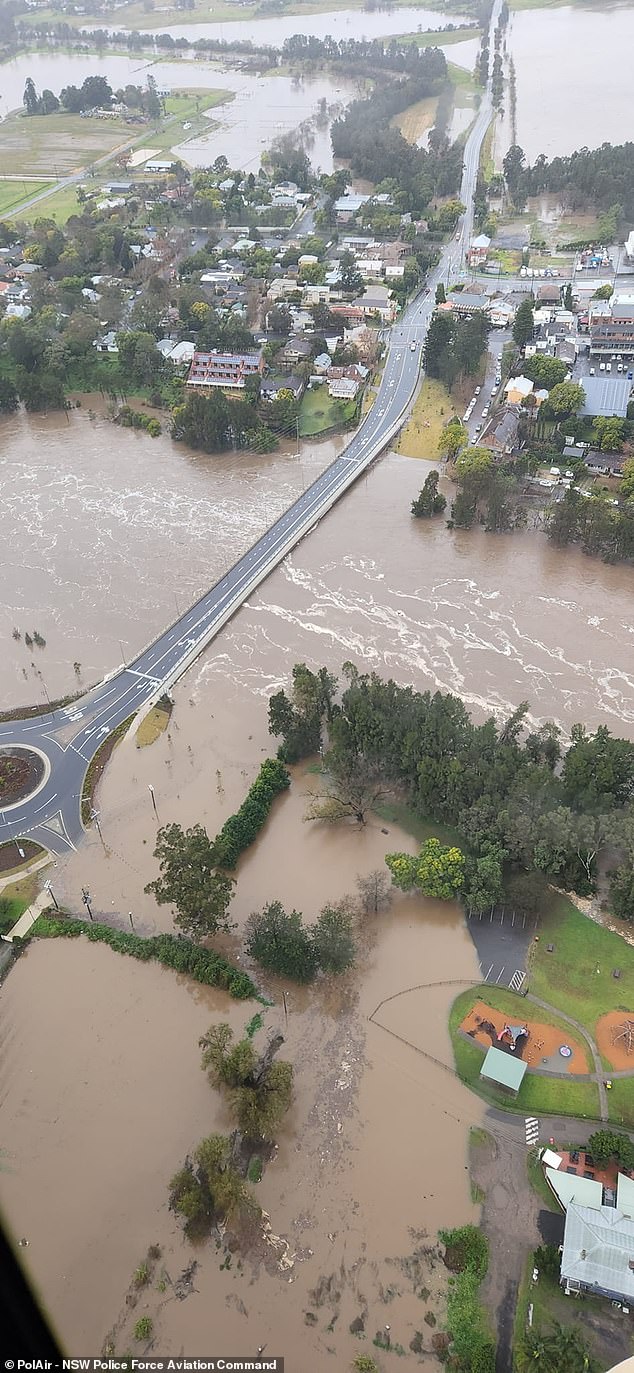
{"x":358,"y":1187}
{"x":88,"y":512}
{"x":263,"y":108}
{"x":563,"y":101}
{"x":339,"y":24}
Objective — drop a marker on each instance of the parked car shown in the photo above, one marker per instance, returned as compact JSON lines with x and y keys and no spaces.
{"x":592,"y":371}
{"x":485,"y":412}
{"x":478,"y":390}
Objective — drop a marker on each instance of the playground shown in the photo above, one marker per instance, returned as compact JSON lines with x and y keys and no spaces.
{"x":614,"y":1034}
{"x":549,"y":1047}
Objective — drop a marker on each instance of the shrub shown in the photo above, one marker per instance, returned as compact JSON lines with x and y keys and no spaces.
{"x":143,"y":1328}
{"x":242,"y":828}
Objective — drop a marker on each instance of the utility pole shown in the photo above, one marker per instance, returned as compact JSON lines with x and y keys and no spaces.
{"x":51,"y":894}
{"x":19,"y":849}
{"x":130,"y":919}
{"x":94,"y":815}
{"x":151,"y":791}
{"x":86,"y":898}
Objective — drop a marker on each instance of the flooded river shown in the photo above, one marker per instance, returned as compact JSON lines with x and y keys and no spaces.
{"x":563,"y":102}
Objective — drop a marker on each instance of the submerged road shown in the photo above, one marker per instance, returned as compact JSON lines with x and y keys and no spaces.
{"x":69,"y":737}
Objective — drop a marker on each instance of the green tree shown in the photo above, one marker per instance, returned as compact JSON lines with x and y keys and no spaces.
{"x":350,"y":277}
{"x":259,"y":1088}
{"x":598,"y":770}
{"x":568,"y":299}
{"x":609,"y":433}
{"x":190,"y":881}
{"x":523,"y":324}
{"x":333,"y":940}
{"x":622,"y":892}
{"x":561,"y":1349}
{"x":453,"y":437}
{"x":438,"y":870}
{"x":626,"y":489}
{"x":440,"y":293}
{"x":30,"y":98}
{"x":545,"y":371}
{"x":603,"y":292}
{"x":474,"y":463}
{"x":279,"y":942}
{"x":208,"y":1188}
{"x":606,"y":1145}
{"x":429,"y":501}
{"x":353,"y":790}
{"x":565,"y":399}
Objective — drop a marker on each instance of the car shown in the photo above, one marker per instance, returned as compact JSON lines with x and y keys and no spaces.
{"x":485,"y":412}
{"x":630,"y":375}
{"x":478,"y":428}
{"x":602,"y":367}
{"x":465,"y":417}
{"x":619,"y":367}
{"x":608,"y":366}
{"x":592,"y":372}
{"x":412,"y":347}
{"x":478,"y":390}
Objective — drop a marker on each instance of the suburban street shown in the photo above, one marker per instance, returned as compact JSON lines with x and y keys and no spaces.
{"x":69,"y":737}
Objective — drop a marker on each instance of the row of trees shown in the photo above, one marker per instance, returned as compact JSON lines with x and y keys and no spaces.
{"x":526,"y":810}
{"x":603,"y":177}
{"x":94,"y":94}
{"x":454,"y":347}
{"x":599,"y":528}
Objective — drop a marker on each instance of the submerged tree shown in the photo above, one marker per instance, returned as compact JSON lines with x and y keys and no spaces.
{"x":259,"y":1089}
{"x":189,"y":880}
{"x":208,"y":1188}
{"x":429,"y":501}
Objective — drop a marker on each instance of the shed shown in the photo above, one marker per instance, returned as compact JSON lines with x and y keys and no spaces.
{"x":606,"y":396}
{"x":503,"y":1069}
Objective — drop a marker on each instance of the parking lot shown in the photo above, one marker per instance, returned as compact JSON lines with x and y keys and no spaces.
{"x":502,"y":939}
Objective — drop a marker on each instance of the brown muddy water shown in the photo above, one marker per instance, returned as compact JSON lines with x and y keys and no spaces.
{"x":103,"y":1095}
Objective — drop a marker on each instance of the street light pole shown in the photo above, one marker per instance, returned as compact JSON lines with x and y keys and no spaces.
{"x":151,"y":791}
{"x":51,"y":894}
{"x":86,"y":898}
{"x":94,"y":815}
{"x":20,"y":850}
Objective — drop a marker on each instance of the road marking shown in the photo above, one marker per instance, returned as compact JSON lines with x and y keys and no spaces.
{"x":531,"y":1128}
{"x":489,"y":973}
{"x":517,"y":981}
{"x":499,"y":976}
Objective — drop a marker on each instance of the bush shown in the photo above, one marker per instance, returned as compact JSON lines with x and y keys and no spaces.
{"x":467,"y":1254}
{"x":143,"y":1328}
{"x":173,"y":951}
{"x":242,"y":828}
{"x":134,"y":419}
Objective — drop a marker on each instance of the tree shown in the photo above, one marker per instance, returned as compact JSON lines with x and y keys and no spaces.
{"x":352,"y":793}
{"x":598,"y":770}
{"x":440,"y":293}
{"x":544,"y":370}
{"x":627,"y":482}
{"x":49,"y":103}
{"x":350,"y":277}
{"x":566,"y":398}
{"x":430,"y":501}
{"x":96,"y":93}
{"x":562,"y":1349}
{"x":609,"y":432}
{"x":603,"y":292}
{"x":526,"y":893}
{"x":189,"y":880}
{"x":523,"y":324}
{"x":474,"y":463}
{"x":332,"y":938}
{"x":484,"y":878}
{"x":453,"y":437}
{"x":208,"y":1188}
{"x":605,"y":1145}
{"x":278,"y":941}
{"x":30,"y":98}
{"x":259,"y":1089}
{"x":438,"y":870}
{"x":568,"y":299}
{"x":374,"y":892}
{"x":622,"y":892}
{"x":9,"y":399}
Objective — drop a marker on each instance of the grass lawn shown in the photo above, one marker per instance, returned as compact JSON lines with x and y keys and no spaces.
{"x":621,"y":1102}
{"x":14,"y":899}
{"x":431,"y":37}
{"x":318,"y":412}
{"x":537,"y":1095}
{"x":538,"y":1181}
{"x":433,"y":408}
{"x":59,"y":143}
{"x":152,"y":726}
{"x":577,"y":976}
{"x":487,"y":165}
{"x":60,"y":205}
{"x":460,"y":76}
{"x":416,"y":119}
{"x":398,"y":813}
{"x":13,"y":193}
{"x":606,"y":1331}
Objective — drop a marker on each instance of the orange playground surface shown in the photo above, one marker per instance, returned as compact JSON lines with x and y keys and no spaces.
{"x":543,"y":1043}
{"x":613,"y":1034}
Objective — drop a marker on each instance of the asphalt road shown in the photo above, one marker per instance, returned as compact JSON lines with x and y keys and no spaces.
{"x":70,"y":737}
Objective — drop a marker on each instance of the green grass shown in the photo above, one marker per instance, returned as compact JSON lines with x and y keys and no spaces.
{"x":568,"y":978}
{"x":319,"y":412}
{"x":460,"y":76}
{"x":538,"y":1095}
{"x":13,"y":193}
{"x":59,"y":144}
{"x":431,"y":37}
{"x":538,"y":1181}
{"x":398,"y":813}
{"x":621,"y":1102}
{"x":15,"y":899}
{"x":60,"y":205}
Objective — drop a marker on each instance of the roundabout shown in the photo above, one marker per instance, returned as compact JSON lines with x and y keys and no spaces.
{"x":24,"y":770}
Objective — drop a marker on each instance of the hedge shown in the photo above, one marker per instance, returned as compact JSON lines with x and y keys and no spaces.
{"x":242,"y":828}
{"x":171,"y":950}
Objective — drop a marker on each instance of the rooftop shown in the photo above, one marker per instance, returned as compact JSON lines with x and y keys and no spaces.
{"x":503,"y":1069}
{"x":606,"y":395}
{"x":598,"y":1249}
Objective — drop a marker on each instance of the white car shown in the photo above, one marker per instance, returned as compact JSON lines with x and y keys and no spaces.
{"x":478,"y":390}
{"x":485,"y":412}
{"x":412,"y":347}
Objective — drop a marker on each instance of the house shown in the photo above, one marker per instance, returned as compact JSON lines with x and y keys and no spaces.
{"x":605,"y":464}
{"x":181,"y":353}
{"x":573,"y":451}
{"x":271,"y":386}
{"x":322,"y":363}
{"x":517,"y":389}
{"x":14,"y":311}
{"x":295,"y":351}
{"x":501,"y":314}
{"x":106,"y":343}
{"x":224,"y":371}
{"x":566,"y":352}
{"x":376,"y":300}
{"x":281,"y":287}
{"x":344,"y":382}
{"x":467,"y":302}
{"x":478,"y":250}
{"x":347,"y":206}
{"x":364,"y":340}
{"x":597,"y":1252}
{"x":629,"y":246}
{"x":371,"y":267}
{"x":606,"y":395}
{"x":316,"y":294}
{"x":504,"y":1070}
{"x":307,"y":260}
{"x":549,"y":293}
{"x":500,"y":435}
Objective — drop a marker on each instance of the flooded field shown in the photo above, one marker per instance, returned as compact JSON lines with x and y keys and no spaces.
{"x":563,"y":102}
{"x":356,"y":1201}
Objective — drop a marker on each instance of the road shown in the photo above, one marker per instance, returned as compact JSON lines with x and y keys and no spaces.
{"x":69,"y":737}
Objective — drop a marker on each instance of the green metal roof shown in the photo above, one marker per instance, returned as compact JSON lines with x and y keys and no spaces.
{"x":505,"y":1069}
